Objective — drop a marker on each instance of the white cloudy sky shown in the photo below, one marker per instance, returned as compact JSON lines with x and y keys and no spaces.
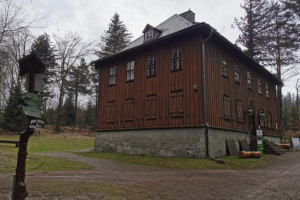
{"x":91,"y":17}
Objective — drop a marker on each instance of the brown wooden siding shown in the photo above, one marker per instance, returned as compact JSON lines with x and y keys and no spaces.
{"x":169,"y":99}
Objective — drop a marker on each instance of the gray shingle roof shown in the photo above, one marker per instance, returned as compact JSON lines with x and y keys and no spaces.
{"x":173,"y":24}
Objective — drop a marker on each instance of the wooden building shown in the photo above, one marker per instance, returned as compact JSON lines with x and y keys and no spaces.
{"x":151,"y":93}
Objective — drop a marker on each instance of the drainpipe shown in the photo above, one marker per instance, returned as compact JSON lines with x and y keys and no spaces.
{"x":204,"y":94}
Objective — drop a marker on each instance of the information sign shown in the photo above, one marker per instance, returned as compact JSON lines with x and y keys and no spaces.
{"x":31,"y":95}
{"x":32,"y":111}
{"x":259,"y":133}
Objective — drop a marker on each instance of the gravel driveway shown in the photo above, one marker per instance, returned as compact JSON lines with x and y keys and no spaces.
{"x":280,"y":180}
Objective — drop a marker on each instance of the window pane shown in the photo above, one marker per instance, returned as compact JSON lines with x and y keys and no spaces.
{"x":114,"y":80}
{"x":179,"y":63}
{"x":179,"y":52}
{"x":128,"y":76}
{"x":132,"y":75}
{"x":149,"y":71}
{"x":173,"y":64}
{"x":224,"y":70}
{"x":110,"y":80}
{"x":154,"y":70}
{"x":149,"y":60}
{"x":223,"y":60}
{"x":154,"y":60}
{"x":114,"y":71}
{"x":249,"y":75}
{"x":128,"y":66}
{"x":249,"y":83}
{"x":236,"y":68}
{"x":173,"y":53}
{"x":110,"y":71}
{"x":132,"y":65}
{"x":237,"y":77}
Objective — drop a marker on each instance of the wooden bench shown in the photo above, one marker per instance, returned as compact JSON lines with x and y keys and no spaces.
{"x":11,"y":142}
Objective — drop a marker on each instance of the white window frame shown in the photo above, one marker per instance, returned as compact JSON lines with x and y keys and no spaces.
{"x":130,"y":70}
{"x":112,"y":75}
{"x":149,"y":35}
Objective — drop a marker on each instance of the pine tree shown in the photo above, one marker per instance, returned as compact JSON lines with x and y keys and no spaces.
{"x":79,"y":83}
{"x":43,"y":49}
{"x":253,"y":26}
{"x":115,"y":39}
{"x":13,"y":117}
{"x":69,"y":111}
{"x":293,"y":6}
{"x":281,"y":44}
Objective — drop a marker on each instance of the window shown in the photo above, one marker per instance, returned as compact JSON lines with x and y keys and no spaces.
{"x":110,"y":112}
{"x":261,"y":120}
{"x":112,"y":75}
{"x":224,"y":65}
{"x":176,"y":58}
{"x":148,"y":35}
{"x":236,"y":73}
{"x":130,"y":71}
{"x":249,"y":79}
{"x":226,"y":108}
{"x":176,"y":104}
{"x":269,"y":118}
{"x":259,"y":85}
{"x":150,"y":107}
{"x":267,"y":89}
{"x":151,"y":65}
{"x":239,"y":108}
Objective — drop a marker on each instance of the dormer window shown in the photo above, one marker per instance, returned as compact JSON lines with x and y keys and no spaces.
{"x":149,"y":35}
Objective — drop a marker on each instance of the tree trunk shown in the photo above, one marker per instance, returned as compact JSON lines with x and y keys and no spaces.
{"x":59,"y":114}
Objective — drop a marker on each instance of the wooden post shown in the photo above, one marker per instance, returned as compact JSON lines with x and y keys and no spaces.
{"x":21,"y":192}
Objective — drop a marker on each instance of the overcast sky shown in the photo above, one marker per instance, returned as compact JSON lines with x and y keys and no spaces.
{"x":91,"y":17}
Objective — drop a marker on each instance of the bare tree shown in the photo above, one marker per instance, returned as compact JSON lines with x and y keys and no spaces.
{"x":70,"y":48}
{"x":13,"y":18}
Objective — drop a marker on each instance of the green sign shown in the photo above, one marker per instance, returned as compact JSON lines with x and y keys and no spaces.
{"x":260,"y":146}
{"x":31,"y":95}
{"x":32,"y":111}
{"x":34,"y":102}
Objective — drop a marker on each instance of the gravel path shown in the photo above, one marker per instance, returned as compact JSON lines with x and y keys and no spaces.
{"x":280,"y":180}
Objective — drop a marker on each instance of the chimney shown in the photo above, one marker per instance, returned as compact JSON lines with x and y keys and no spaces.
{"x":188,"y":15}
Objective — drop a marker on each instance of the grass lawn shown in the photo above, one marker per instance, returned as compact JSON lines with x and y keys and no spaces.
{"x":44,"y":143}
{"x":231,"y":162}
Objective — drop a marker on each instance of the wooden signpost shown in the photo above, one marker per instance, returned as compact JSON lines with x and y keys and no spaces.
{"x":29,"y":65}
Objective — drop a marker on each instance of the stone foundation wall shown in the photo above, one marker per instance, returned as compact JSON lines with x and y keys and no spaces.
{"x":175,"y":142}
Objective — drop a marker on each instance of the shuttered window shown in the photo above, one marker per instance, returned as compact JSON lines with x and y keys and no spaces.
{"x":129,"y":110}
{"x":239,"y":108}
{"x":176,"y":104}
{"x":150,"y":107}
{"x":110,"y":112}
{"x":226,"y":108}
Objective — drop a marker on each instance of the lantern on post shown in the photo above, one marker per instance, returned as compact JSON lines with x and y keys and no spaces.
{"x":32,"y":67}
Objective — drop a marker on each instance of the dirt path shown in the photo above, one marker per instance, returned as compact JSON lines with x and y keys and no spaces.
{"x":281,"y":180}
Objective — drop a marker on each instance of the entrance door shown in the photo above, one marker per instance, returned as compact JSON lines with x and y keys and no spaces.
{"x":252,"y":123}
